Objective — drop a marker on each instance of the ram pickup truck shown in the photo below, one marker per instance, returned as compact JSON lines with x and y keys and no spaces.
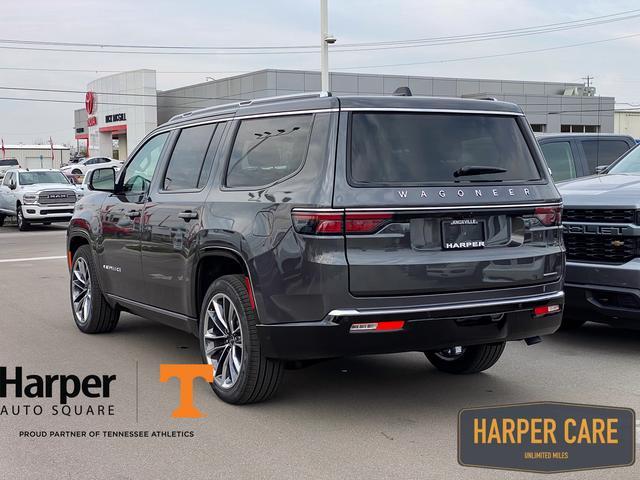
{"x":602,"y":236}
{"x":37,"y":196}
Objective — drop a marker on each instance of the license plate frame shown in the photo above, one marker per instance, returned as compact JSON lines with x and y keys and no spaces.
{"x":463,"y":234}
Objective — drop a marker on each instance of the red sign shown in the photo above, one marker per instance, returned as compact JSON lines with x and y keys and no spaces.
{"x":90,"y":102}
{"x":91,"y":121}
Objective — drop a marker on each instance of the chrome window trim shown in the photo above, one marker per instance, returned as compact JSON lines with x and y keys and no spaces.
{"x":441,"y":308}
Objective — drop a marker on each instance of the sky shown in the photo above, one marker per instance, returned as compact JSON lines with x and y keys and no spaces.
{"x":296,"y":22}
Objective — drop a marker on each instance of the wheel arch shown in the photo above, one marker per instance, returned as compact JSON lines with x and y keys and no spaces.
{"x":213,"y":263}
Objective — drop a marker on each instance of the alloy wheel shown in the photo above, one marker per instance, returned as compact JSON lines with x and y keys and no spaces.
{"x":81,"y":290}
{"x":223,"y":340}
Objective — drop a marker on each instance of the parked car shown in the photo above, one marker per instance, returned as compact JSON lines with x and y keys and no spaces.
{"x":573,"y":155}
{"x":602,"y":237}
{"x":37,"y":196}
{"x":82,"y":166}
{"x":6,"y":164}
{"x":315,"y":227}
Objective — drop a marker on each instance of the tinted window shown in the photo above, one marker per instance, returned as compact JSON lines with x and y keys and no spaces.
{"x":602,"y":152}
{"x":4,"y":163}
{"x":560,"y":160}
{"x":629,"y":164}
{"x":406,"y":148}
{"x":186,"y":166}
{"x":268,"y":149}
{"x":141,"y":168}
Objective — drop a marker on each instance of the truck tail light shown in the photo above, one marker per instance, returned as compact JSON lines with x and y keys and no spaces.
{"x":549,"y":216}
{"x":339,"y":223}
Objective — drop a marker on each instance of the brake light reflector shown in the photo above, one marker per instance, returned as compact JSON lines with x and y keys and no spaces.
{"x":549,"y":216}
{"x":377,"y":326}
{"x":546,"y":310}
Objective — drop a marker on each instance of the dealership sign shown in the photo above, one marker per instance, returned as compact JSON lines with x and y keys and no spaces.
{"x":116,"y":117}
{"x":90,"y":102}
{"x":546,"y":437}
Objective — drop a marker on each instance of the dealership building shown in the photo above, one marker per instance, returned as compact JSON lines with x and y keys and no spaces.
{"x":121,"y":109}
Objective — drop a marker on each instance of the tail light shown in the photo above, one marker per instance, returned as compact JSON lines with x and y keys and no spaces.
{"x":318,"y":223}
{"x":549,"y":216}
{"x":334,"y":223}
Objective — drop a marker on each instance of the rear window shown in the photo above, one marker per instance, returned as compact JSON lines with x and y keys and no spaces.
{"x":425,"y":148}
{"x":8,"y":162}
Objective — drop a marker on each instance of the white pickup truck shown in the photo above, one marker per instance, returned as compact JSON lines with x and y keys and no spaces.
{"x":37,"y":196}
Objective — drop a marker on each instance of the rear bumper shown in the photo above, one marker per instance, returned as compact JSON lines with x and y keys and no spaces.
{"x":426,"y":328}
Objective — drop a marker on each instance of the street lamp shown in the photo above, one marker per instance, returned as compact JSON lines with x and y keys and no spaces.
{"x":325,"y":40}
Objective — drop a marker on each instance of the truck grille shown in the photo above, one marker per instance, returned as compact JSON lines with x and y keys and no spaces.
{"x":600,"y":248}
{"x":54,"y":197}
{"x":598,"y":215}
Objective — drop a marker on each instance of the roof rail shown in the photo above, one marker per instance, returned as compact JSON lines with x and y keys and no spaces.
{"x":255,"y":101}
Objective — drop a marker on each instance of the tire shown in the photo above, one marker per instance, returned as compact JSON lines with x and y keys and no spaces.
{"x":473,"y":359}
{"x":258,"y":377}
{"x":95,"y":315}
{"x":571,"y":323}
{"x":22,"y":224}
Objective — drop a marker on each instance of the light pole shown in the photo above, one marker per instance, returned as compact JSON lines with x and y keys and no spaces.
{"x":325,"y":41}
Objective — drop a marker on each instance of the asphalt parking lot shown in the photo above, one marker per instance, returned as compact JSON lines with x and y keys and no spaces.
{"x":368,"y":417}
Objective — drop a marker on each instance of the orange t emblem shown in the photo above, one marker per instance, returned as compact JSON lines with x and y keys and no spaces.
{"x":186,"y":374}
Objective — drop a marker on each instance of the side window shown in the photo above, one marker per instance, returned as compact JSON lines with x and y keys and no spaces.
{"x":140,"y":169}
{"x":560,"y":160}
{"x":602,"y":152}
{"x":610,"y":150}
{"x":7,"y":179}
{"x":266,"y":150}
{"x":191,"y":159}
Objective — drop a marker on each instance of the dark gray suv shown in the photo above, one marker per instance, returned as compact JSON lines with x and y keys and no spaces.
{"x":316,"y":226}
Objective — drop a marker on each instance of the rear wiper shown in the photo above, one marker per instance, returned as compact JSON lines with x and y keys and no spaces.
{"x":477,"y":170}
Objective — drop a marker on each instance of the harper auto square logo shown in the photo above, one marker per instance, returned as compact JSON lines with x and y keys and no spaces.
{"x":546,"y":437}
{"x":477,"y":193}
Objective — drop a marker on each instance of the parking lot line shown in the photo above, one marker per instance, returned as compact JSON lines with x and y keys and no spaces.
{"x":32,"y":259}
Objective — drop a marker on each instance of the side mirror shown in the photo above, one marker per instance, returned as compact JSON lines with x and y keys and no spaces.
{"x":102,"y":180}
{"x":601,"y":168}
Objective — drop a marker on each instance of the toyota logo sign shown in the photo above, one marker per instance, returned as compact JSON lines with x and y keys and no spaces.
{"x":90,"y":102}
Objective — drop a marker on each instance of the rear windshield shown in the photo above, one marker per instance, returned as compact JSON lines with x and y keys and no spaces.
{"x":4,"y":163}
{"x":426,"y":148}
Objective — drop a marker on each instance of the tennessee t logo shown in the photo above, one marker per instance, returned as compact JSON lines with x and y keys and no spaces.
{"x":186,"y":374}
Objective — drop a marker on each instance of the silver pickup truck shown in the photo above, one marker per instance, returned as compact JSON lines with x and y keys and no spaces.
{"x":601,"y":221}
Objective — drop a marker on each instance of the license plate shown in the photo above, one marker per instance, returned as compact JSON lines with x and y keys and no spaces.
{"x":462,"y":234}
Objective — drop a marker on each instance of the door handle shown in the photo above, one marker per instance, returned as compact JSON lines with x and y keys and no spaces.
{"x":188,"y":215}
{"x":133,"y":213}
